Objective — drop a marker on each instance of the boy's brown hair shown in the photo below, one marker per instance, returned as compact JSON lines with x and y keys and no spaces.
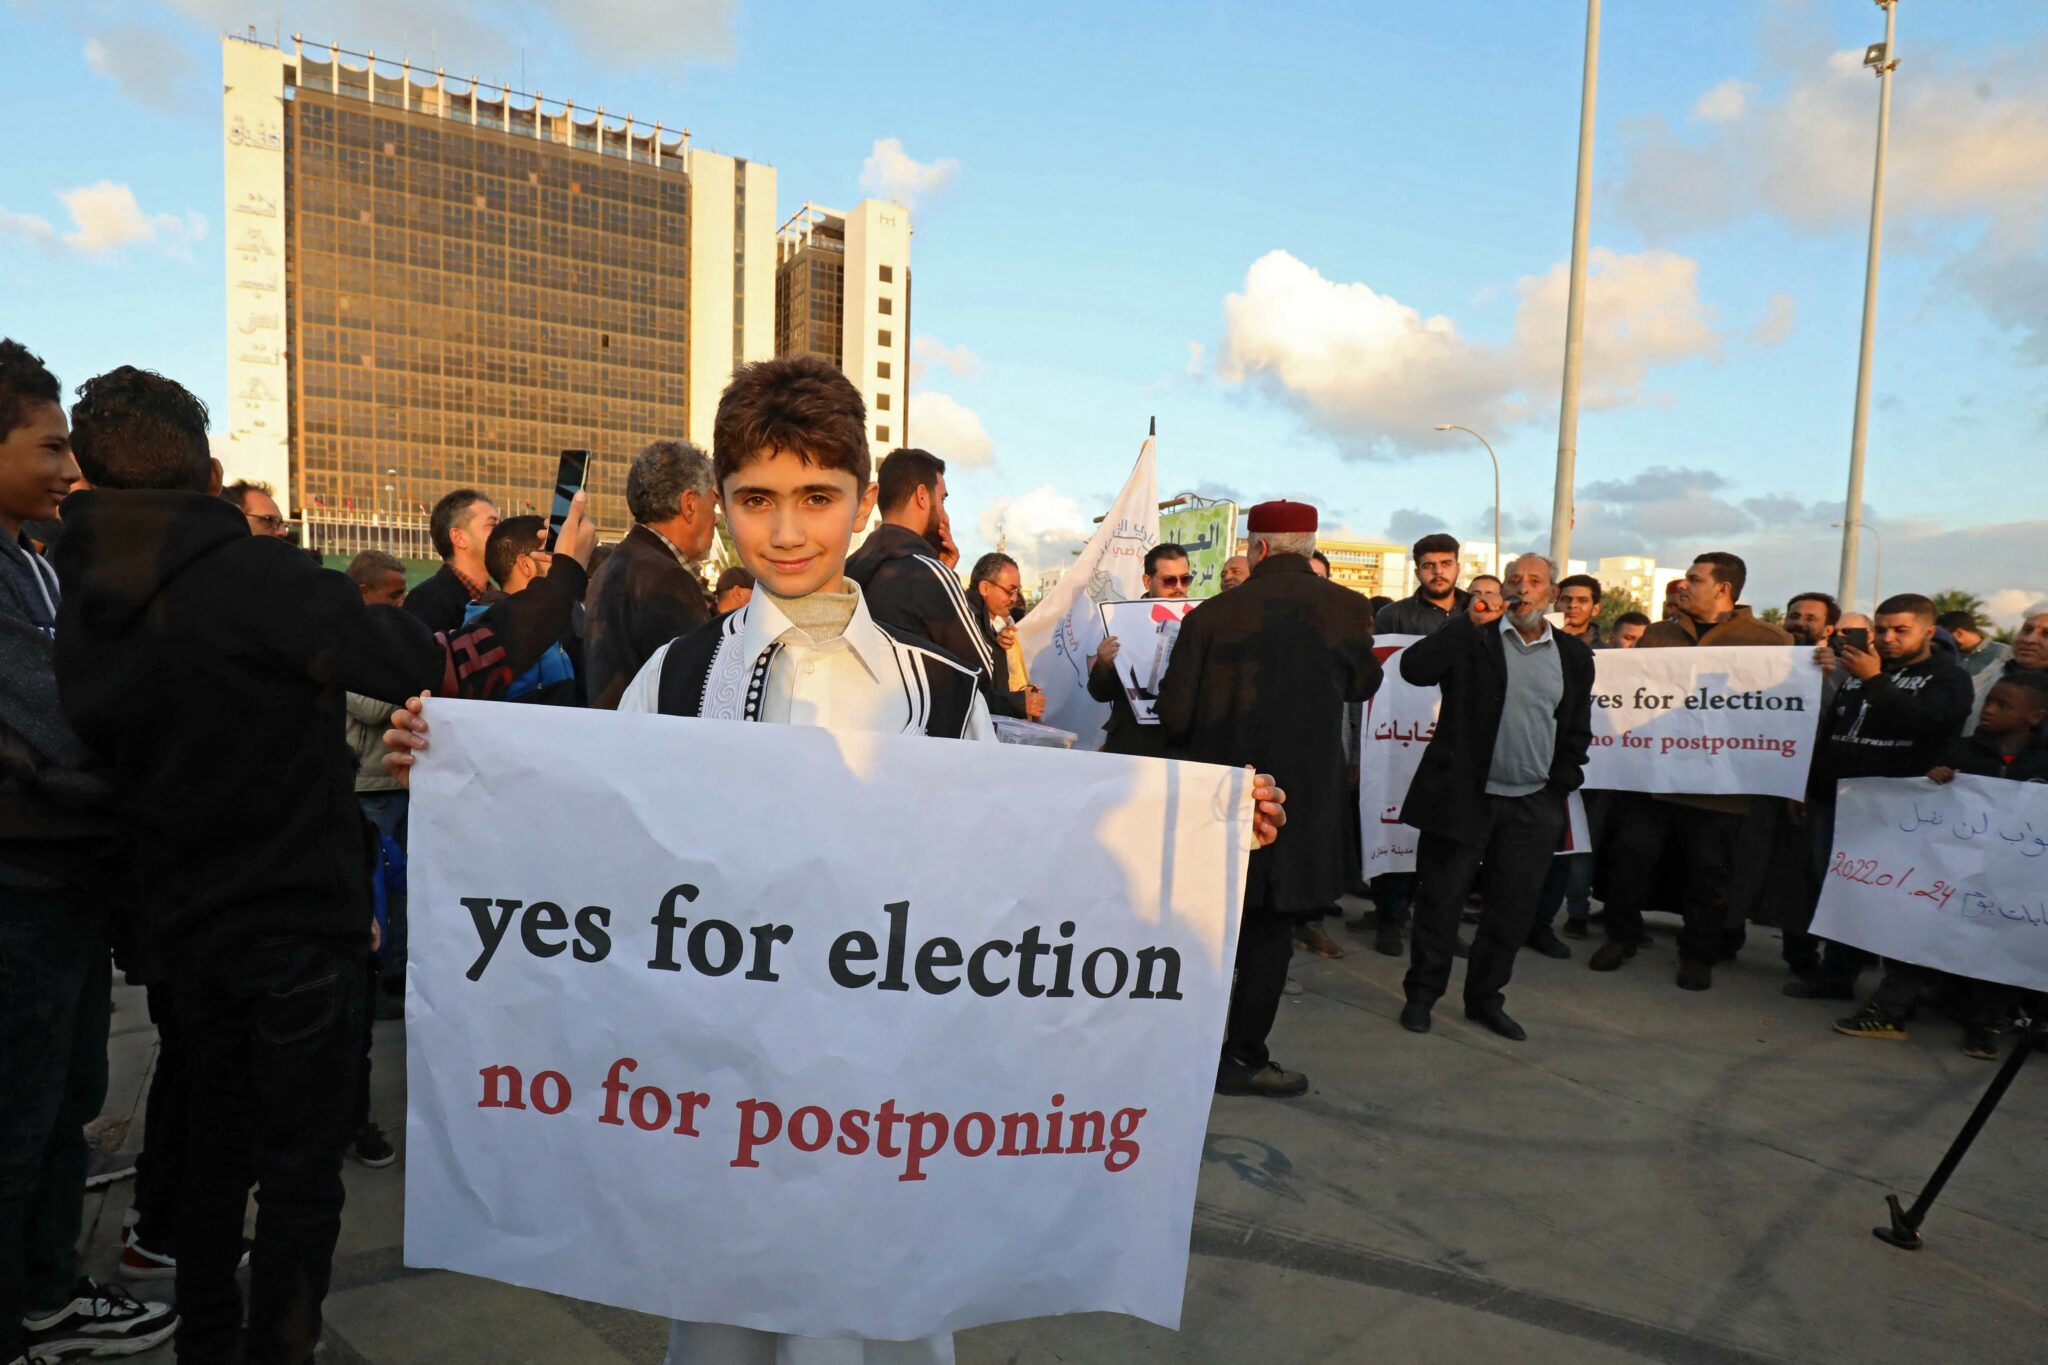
{"x":802,"y":405}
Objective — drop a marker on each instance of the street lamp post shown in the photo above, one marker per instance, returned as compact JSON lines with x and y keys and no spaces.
{"x":1876,"y":567}
{"x":1879,"y":59}
{"x":1561,"y":507}
{"x":1453,"y":426}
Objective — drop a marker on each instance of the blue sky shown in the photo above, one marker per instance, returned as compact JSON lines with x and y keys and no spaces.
{"x":1298,"y":235}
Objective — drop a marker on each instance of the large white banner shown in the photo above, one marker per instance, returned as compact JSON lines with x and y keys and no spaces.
{"x":768,"y":1049}
{"x":1715,"y":720}
{"x":1145,"y":632}
{"x":1062,"y":633}
{"x":1725,"y":720}
{"x":1952,"y":877}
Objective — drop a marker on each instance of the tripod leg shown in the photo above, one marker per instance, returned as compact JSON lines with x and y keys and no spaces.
{"x":1904,"y":1232}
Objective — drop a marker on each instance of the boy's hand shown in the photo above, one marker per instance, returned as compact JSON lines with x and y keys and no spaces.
{"x":1942,"y":776}
{"x":408,"y":736}
{"x":1271,"y":811}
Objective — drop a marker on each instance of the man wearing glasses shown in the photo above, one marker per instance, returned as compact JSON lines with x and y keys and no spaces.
{"x":256,"y":502}
{"x":1167,"y":575}
{"x":998,"y":585}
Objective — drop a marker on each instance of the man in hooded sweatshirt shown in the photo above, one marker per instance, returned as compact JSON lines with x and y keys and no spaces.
{"x":247,"y":840}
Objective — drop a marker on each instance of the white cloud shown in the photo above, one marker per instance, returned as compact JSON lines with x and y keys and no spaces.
{"x":1378,"y":374}
{"x":1724,"y":102}
{"x":2008,"y":606}
{"x":149,"y":66}
{"x":950,"y":430}
{"x":1040,"y":529}
{"x":1776,"y":323}
{"x":1198,"y":360}
{"x":105,"y":218}
{"x":490,"y":36}
{"x":926,"y":352}
{"x":892,"y":173}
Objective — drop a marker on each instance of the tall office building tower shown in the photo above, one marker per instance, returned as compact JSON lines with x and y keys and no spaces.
{"x":842,"y":291}
{"x":434,"y":284}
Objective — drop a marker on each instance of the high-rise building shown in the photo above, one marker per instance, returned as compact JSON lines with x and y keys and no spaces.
{"x":842,"y":291}
{"x":437,"y":283}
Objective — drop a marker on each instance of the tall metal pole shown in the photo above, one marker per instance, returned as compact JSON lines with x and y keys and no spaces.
{"x":1561,"y":511}
{"x":1852,"y":512}
{"x":1453,"y":426}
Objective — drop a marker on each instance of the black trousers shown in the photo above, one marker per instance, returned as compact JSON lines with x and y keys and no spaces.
{"x":272,"y":1043}
{"x":1394,"y":893}
{"x":160,"y":1169}
{"x":1976,"y":1004}
{"x":1706,"y":842}
{"x":1508,"y":852}
{"x":1265,"y":941}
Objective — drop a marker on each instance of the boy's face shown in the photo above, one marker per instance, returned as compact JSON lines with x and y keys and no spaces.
{"x":792,"y":522}
{"x":2009,"y":711}
{"x":36,"y":466}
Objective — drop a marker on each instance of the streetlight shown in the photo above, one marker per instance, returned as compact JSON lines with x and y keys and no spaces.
{"x":1876,"y":569}
{"x":1453,"y":426}
{"x":1562,"y":514}
{"x":1878,"y":57}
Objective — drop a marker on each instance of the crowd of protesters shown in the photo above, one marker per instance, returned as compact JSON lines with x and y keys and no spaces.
{"x":208,"y":737}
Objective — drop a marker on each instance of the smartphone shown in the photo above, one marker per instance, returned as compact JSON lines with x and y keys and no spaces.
{"x":1855,"y":637}
{"x":569,"y":476}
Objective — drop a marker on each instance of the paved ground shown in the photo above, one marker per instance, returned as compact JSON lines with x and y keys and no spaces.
{"x":1654,"y":1176}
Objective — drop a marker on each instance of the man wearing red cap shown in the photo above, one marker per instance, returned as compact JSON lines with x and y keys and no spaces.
{"x":1261,"y":675}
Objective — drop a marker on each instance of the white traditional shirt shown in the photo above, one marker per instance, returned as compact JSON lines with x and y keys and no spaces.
{"x":766,"y":668}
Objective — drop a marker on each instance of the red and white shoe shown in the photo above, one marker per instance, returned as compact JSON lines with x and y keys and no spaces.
{"x":138,"y":1262}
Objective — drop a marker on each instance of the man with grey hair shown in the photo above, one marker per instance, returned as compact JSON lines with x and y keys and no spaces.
{"x":1489,"y":796}
{"x":649,"y":591}
{"x":1261,"y":675}
{"x":2029,"y":655}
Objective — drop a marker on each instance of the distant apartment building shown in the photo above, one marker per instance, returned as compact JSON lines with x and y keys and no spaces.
{"x":1640,"y":576}
{"x":435,"y":283}
{"x":842,"y":291}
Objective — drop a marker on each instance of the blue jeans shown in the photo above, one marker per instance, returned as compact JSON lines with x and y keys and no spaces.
{"x":388,"y":811}
{"x":54,"y":984}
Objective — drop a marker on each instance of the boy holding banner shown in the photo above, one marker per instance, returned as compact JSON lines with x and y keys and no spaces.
{"x":790,"y":457}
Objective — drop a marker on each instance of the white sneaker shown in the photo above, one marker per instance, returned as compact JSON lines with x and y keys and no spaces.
{"x":100,"y":1320}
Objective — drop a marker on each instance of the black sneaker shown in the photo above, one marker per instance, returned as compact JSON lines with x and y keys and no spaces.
{"x":1871,"y":1024}
{"x":1576,"y":929}
{"x":1545,"y":941}
{"x":370,"y":1147}
{"x":104,"y":1168}
{"x":100,"y":1320}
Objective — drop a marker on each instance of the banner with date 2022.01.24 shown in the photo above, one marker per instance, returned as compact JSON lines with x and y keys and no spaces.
{"x":1952,"y":877}
{"x":788,"y":1049}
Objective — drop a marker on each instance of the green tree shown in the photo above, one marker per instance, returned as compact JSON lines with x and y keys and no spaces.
{"x":1955,"y":599}
{"x":1771,"y":616}
{"x":1614,"y":603}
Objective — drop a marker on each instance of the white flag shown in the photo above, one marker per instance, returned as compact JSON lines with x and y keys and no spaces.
{"x":1064,"y":630}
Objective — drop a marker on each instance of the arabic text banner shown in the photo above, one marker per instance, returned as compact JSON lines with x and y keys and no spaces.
{"x":1209,"y":535}
{"x":1145,"y":632}
{"x":1952,"y":877}
{"x":788,"y":1049}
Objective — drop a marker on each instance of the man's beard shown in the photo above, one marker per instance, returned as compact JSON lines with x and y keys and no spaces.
{"x":1435,"y":594}
{"x":931,"y":531}
{"x":1526,"y":614}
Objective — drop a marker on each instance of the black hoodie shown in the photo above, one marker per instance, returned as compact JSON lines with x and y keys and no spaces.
{"x":207,"y":667}
{"x":1894,"y":725}
{"x":906,"y":586}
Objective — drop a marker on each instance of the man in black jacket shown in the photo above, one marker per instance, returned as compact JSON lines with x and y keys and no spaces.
{"x":1167,"y":575}
{"x":246,"y":836}
{"x":1489,"y":796}
{"x":1436,"y":600}
{"x":1261,"y":675}
{"x":1899,"y":705}
{"x":649,"y":592}
{"x":904,"y":582}
{"x":461,"y":525}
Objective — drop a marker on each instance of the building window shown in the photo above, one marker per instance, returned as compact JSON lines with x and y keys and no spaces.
{"x":885,"y":339}
{"x":881,"y":402}
{"x":888,"y":274}
{"x":886,"y":306}
{"x":881,"y":369}
{"x":882,"y":434}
